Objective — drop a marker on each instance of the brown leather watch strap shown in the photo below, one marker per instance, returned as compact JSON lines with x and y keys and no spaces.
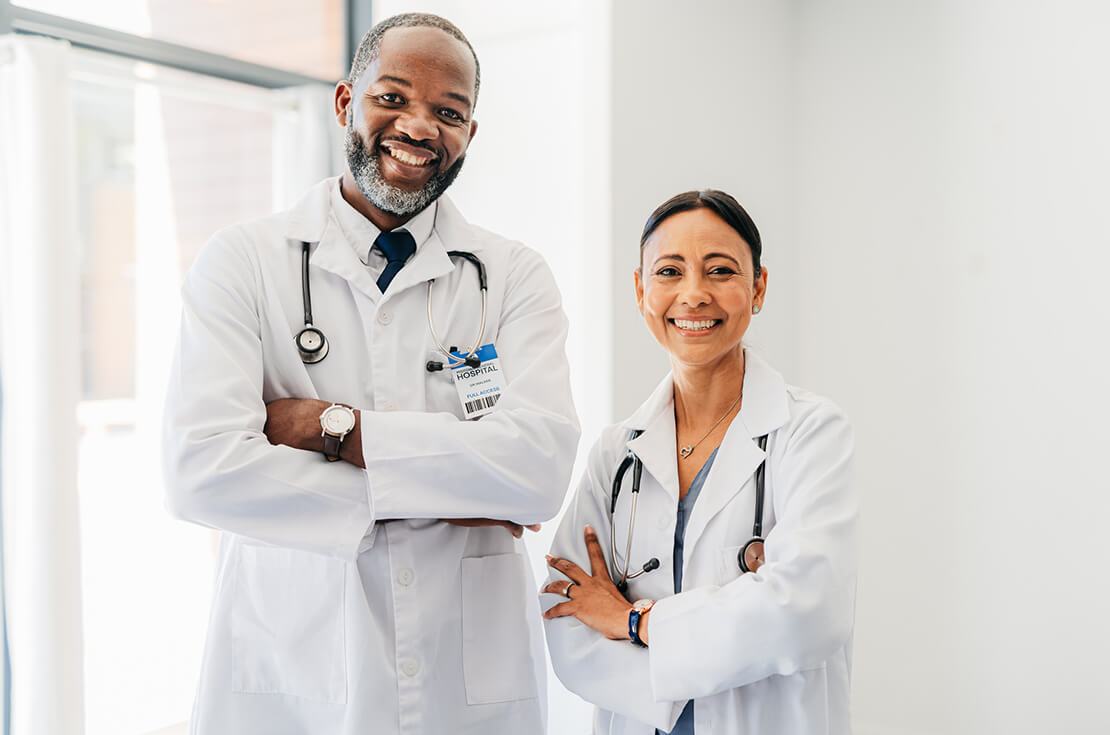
{"x":331,"y":447}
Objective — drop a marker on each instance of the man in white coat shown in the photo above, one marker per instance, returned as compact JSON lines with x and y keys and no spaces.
{"x":378,"y":592}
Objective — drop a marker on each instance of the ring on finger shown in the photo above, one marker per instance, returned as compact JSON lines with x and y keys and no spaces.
{"x":566,"y":592}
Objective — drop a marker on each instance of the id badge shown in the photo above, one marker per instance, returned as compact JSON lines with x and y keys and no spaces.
{"x":479,"y":388}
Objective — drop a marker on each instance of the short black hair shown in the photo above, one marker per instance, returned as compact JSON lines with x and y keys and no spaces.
{"x":370,"y":46}
{"x":721,"y":204}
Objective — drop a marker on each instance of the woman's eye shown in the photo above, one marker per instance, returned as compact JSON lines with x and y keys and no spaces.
{"x":722,"y":270}
{"x":667,"y":272}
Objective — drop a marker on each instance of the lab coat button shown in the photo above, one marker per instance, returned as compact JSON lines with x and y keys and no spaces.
{"x":410,"y":667}
{"x":384,"y":316}
{"x":405,"y":577}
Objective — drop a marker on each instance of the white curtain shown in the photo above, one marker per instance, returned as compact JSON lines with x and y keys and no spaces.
{"x":40,"y":354}
{"x":307,"y":142}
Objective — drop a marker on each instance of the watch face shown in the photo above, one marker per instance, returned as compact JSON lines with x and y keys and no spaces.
{"x":337,"y":421}
{"x":642,"y":605}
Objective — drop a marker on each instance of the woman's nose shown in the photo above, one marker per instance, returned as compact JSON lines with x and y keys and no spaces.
{"x":694,"y":292}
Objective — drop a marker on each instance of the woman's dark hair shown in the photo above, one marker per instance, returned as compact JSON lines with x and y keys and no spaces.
{"x":722,"y":204}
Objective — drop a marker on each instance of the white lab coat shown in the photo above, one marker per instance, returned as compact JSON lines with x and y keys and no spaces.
{"x":766,"y":653}
{"x":342,"y":604}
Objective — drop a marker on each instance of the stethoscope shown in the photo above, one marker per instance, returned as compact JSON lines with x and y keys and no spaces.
{"x":750,"y":558}
{"x":313,"y":345}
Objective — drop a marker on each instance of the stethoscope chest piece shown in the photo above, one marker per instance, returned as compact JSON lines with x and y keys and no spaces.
{"x":750,"y":557}
{"x":312,"y":345}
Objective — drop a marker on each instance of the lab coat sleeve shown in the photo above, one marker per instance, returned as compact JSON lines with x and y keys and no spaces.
{"x":797,"y":610}
{"x":220,"y":469}
{"x":512,"y":464}
{"x":614,"y":675}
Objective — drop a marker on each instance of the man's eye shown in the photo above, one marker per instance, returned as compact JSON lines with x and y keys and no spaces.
{"x":391,"y":98}
{"x":451,"y":114}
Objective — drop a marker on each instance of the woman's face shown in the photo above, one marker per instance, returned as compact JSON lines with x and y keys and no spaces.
{"x":696,"y":287}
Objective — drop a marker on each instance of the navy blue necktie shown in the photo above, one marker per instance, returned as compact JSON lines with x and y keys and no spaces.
{"x":397,"y":246}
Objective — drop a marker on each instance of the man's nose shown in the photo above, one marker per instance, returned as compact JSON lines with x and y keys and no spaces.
{"x":417,"y":126}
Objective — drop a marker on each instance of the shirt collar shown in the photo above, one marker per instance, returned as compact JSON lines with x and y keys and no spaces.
{"x":361,"y":232}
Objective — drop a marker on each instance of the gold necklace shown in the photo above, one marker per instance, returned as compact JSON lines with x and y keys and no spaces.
{"x":687,"y":450}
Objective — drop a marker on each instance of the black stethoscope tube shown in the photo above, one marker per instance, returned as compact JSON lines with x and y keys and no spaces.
{"x":306,"y":292}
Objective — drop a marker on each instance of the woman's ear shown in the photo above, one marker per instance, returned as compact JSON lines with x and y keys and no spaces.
{"x":638,"y":283}
{"x":760,"y":289}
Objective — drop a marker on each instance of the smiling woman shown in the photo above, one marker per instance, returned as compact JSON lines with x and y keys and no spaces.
{"x":749,"y":630}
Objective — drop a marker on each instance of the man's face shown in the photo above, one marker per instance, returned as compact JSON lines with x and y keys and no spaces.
{"x":409,"y":119}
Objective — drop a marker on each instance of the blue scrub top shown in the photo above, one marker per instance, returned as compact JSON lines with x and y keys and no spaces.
{"x":685,"y":724}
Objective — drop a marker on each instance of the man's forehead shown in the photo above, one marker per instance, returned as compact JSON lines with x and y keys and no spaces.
{"x":423,"y":49}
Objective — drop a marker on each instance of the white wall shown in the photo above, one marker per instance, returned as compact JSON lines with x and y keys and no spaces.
{"x":952,"y":234}
{"x":701,"y":98}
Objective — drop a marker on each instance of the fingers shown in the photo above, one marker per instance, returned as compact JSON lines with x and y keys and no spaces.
{"x":533,"y":526}
{"x":562,"y":610}
{"x":597,"y":557}
{"x":567,"y":567}
{"x":558,"y":587}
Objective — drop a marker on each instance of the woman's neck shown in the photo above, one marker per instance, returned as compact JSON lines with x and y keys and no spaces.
{"x":702,"y":393}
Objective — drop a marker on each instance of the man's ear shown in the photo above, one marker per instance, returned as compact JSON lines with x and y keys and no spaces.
{"x":343,"y":99}
{"x":473,"y":131}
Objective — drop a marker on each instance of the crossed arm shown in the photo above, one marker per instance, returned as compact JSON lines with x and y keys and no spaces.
{"x":295,"y":422}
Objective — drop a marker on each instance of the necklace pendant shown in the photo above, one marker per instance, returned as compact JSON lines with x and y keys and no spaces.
{"x":686,"y":451}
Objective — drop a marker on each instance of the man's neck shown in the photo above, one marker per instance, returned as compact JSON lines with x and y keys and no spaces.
{"x":384,"y":221}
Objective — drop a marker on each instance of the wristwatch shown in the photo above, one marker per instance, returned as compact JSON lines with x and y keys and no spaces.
{"x":336,"y":421}
{"x":639,"y":608}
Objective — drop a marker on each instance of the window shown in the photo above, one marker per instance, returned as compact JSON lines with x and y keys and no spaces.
{"x":164,"y":160}
{"x":305,"y":37}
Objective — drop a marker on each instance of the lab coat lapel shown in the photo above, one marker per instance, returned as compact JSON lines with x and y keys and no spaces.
{"x":450,"y":232}
{"x":311,"y":221}
{"x":763,"y":410}
{"x":656,"y":445}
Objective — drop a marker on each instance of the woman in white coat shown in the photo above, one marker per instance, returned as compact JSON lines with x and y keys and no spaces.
{"x":738,"y":627}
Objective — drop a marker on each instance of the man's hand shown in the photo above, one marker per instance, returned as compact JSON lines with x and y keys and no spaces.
{"x":515,"y":529}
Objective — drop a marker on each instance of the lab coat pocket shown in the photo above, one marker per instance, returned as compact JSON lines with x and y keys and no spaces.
{"x":729,"y":564}
{"x":287,"y":623}
{"x":497,"y":653}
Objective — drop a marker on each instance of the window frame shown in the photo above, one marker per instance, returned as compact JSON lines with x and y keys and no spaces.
{"x":17,"y":19}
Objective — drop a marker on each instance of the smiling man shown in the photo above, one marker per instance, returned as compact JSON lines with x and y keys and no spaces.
{"x":371,"y":401}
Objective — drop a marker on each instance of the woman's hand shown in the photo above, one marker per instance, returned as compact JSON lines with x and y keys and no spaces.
{"x":594,"y":599}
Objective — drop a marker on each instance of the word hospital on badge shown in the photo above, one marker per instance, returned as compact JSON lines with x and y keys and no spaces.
{"x":480,"y":387}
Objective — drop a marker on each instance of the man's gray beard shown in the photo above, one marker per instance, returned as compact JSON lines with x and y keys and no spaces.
{"x":366,"y":169}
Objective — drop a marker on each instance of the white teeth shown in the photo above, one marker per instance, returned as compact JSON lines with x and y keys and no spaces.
{"x":407,"y":158}
{"x":694,"y":326}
